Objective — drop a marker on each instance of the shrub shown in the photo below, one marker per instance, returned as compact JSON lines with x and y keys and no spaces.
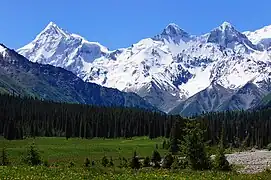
{"x":146,"y":162}
{"x":33,"y":157}
{"x":220,"y":161}
{"x":183,"y":163}
{"x":168,"y":161}
{"x":269,"y":147}
{"x":135,"y":164}
{"x":105,"y":161}
{"x":4,"y":157}
{"x":87,"y":162}
{"x":71,"y":164}
{"x":156,"y":157}
{"x":175,"y":164}
{"x":111,"y":162}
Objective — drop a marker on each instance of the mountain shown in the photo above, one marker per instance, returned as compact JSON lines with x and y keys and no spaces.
{"x":57,"y":47}
{"x":165,"y":69}
{"x":20,"y":76}
{"x":260,"y":37}
{"x":207,"y":100}
{"x":217,"y":98}
{"x":265,"y":102}
{"x":244,"y":98}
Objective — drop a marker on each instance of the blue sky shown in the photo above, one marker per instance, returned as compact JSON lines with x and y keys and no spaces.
{"x":120,"y":23}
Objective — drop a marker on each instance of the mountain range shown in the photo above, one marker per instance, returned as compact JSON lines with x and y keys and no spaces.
{"x":19,"y":76}
{"x":177,"y":72}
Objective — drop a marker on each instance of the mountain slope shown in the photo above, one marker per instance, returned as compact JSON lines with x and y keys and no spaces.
{"x":245,"y":98}
{"x":260,"y":37}
{"x":217,"y":98}
{"x":165,"y":69}
{"x":20,"y":76}
{"x":206,"y":100}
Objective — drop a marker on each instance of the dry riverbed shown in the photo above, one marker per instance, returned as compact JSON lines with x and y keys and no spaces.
{"x":251,"y":161}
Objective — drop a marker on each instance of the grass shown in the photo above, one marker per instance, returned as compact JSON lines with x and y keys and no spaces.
{"x":40,"y":172}
{"x":60,"y":152}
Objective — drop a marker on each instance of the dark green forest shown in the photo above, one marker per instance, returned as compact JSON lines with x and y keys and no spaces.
{"x":28,"y":117}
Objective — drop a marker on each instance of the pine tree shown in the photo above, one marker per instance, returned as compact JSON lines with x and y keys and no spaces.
{"x":174,"y":148}
{"x":194,"y":147}
{"x":135,"y":164}
{"x":156,"y":158}
{"x":220,"y":161}
{"x":33,"y":157}
{"x":146,"y":162}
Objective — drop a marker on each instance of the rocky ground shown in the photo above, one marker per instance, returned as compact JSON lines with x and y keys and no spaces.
{"x":251,"y":161}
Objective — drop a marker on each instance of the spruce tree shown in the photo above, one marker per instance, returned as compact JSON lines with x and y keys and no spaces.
{"x":33,"y":157}
{"x":194,"y":147}
{"x":174,"y":148}
{"x":220,"y":161}
{"x":135,"y":164}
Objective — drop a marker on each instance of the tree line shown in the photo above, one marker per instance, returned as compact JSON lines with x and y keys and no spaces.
{"x":22,"y":117}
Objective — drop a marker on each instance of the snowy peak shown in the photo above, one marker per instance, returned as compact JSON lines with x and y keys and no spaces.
{"x":166,"y":69}
{"x":3,"y":50}
{"x":226,"y":25}
{"x":57,"y":47}
{"x":227,"y":36}
{"x":261,"y":36}
{"x":52,"y":30}
{"x":173,"y":30}
{"x":173,"y":33}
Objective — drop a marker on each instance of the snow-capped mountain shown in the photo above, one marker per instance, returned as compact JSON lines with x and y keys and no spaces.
{"x":22,"y":77}
{"x":57,"y":47}
{"x":165,"y":69}
{"x":261,"y":37}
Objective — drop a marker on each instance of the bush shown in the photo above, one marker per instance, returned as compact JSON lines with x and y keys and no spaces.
{"x":168,"y":161}
{"x":220,"y":162}
{"x":33,"y":157}
{"x":71,"y":164}
{"x":4,"y":157}
{"x":183,"y":163}
{"x":105,"y":161}
{"x":175,"y":164}
{"x":111,"y":162}
{"x":87,"y":162}
{"x":269,"y":147}
{"x":135,"y":164}
{"x":156,"y":157}
{"x":179,"y":163}
{"x":146,"y":162}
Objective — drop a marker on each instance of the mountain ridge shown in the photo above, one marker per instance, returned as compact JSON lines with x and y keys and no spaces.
{"x":164,"y":69}
{"x":20,"y":76}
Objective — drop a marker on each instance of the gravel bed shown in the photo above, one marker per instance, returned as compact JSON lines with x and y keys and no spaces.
{"x":251,"y":161}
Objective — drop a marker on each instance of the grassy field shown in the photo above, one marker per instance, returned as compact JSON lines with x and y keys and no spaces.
{"x":45,"y":173}
{"x":60,"y":152}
